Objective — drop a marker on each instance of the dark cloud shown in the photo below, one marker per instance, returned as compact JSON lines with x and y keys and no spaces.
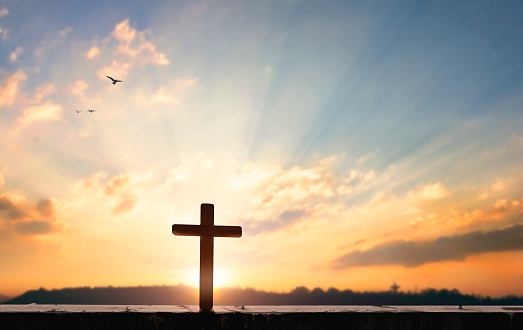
{"x":10,"y":211}
{"x":290,"y":216}
{"x":34,"y":227}
{"x":25,"y":220}
{"x":447,"y":248}
{"x":285,"y":219}
{"x":45,"y":207}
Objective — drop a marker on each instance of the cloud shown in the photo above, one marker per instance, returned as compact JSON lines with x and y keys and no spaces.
{"x":496,"y":213}
{"x":170,"y":95}
{"x":63,"y":33}
{"x":447,"y":248}
{"x":46,"y":208}
{"x":118,"y":183}
{"x":143,"y":51}
{"x":78,"y":87}
{"x":3,"y":32}
{"x":20,"y":218}
{"x":3,"y":12}
{"x":34,"y":227}
{"x":9,"y":210}
{"x":380,"y":198}
{"x":41,"y":113}
{"x":252,"y":175}
{"x":499,"y":186}
{"x":366,"y":157}
{"x":43,"y":91}
{"x":125,"y":204}
{"x":116,"y":70}
{"x":9,"y":87}
{"x":360,"y":241}
{"x":285,"y":219}
{"x":483,"y":196}
{"x":281,"y":197}
{"x":357,"y":178}
{"x":133,"y":50}
{"x":295,"y":184}
{"x":120,"y":191}
{"x":430,"y":191}
{"x":176,"y":175}
{"x":14,"y":55}
{"x":410,"y":211}
{"x":93,"y":52}
{"x":163,"y":97}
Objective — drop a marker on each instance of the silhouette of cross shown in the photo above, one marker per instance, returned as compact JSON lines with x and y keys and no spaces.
{"x":207,"y":232}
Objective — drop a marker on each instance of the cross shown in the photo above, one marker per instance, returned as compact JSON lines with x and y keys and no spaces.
{"x":207,"y":232}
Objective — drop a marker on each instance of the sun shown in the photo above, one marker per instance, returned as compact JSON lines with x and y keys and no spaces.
{"x":220,"y":278}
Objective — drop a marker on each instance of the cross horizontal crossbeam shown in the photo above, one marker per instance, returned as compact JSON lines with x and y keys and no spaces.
{"x":202,"y":230}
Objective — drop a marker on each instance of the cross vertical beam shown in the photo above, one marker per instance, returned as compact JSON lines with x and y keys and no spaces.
{"x":207,"y":232}
{"x":206,"y":258}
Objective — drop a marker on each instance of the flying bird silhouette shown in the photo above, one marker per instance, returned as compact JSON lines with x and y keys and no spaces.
{"x":77,"y":111}
{"x":90,"y":110}
{"x":114,"y":80}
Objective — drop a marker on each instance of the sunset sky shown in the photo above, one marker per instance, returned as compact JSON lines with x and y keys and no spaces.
{"x":356,"y":142}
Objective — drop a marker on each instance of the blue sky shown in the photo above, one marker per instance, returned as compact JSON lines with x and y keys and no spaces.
{"x":323,"y":128}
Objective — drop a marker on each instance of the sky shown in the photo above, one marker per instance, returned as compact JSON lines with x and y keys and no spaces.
{"x":356,"y":143}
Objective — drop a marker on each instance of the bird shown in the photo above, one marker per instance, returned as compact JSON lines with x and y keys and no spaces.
{"x":90,"y":110}
{"x":114,"y":80}
{"x":77,"y":111}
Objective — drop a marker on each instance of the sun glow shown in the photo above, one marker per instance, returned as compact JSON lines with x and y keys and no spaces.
{"x":221,"y":278}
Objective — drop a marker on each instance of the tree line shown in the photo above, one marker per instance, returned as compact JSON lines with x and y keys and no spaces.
{"x":187,"y":295}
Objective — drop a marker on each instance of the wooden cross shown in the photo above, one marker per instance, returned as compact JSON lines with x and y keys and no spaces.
{"x":207,"y":232}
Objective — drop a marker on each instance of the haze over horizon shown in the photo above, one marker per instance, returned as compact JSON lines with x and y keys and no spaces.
{"x":357,"y":144}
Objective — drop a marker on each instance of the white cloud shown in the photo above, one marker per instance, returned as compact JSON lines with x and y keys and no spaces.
{"x":120,"y":194}
{"x":176,"y":175}
{"x":3,"y":32}
{"x":116,"y":70}
{"x":133,"y":49}
{"x":9,"y":88}
{"x":251,"y":175}
{"x":93,"y":52}
{"x":483,"y":196}
{"x":430,"y":191}
{"x":78,"y":87}
{"x":43,"y":91}
{"x":410,"y":211}
{"x":345,"y":190}
{"x":313,"y":190}
{"x":163,"y":97}
{"x":498,"y":186}
{"x":502,"y":208}
{"x":40,"y":113}
{"x":4,"y":12}
{"x":171,"y":95}
{"x":63,"y":33}
{"x":366,"y":157}
{"x":381,"y":198}
{"x":298,"y":184}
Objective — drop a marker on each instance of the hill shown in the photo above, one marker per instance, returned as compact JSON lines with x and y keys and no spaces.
{"x":186,"y":295}
{"x":4,"y":298}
